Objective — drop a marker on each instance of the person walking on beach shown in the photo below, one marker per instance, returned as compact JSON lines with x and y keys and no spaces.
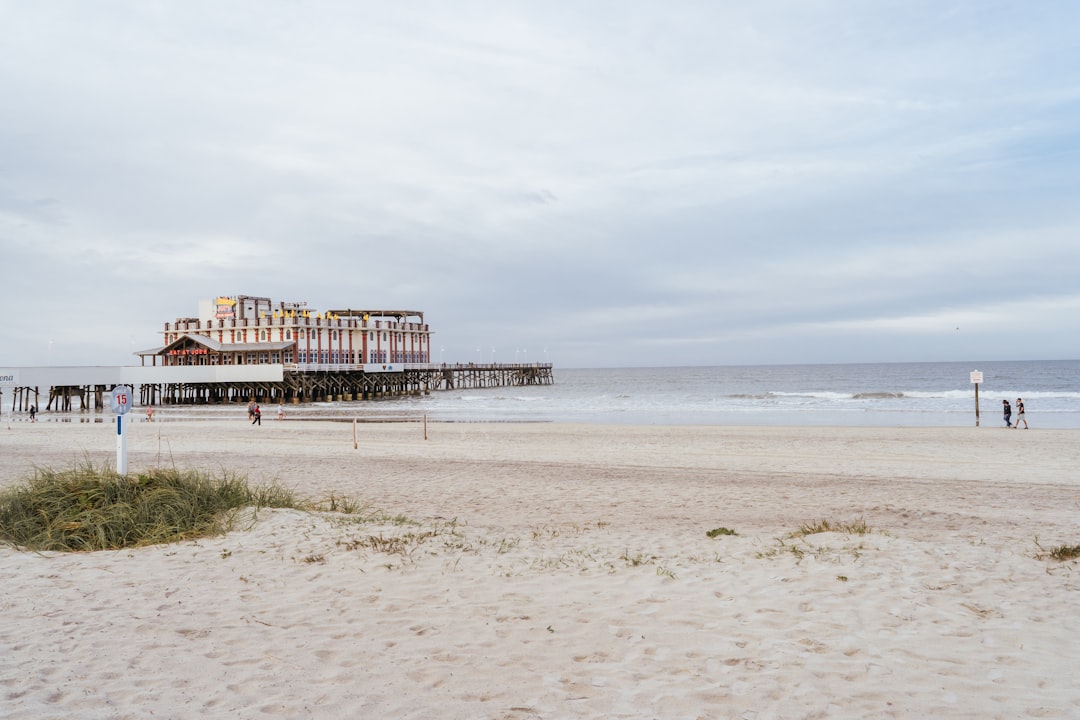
{"x":1020,"y":414}
{"x":33,"y":413}
{"x":1007,"y":411}
{"x":256,"y":413}
{"x":280,"y":411}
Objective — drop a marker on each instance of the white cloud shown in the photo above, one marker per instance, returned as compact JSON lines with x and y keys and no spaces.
{"x":726,"y":176}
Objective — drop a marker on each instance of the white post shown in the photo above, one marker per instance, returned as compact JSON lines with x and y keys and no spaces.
{"x":120,"y":402}
{"x":121,"y":446}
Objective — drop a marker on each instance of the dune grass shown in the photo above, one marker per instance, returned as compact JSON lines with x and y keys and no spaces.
{"x":90,"y":508}
{"x":1061,"y":553}
{"x":1065,"y":552}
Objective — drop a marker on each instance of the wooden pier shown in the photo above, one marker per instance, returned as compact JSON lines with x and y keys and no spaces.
{"x":337,"y":384}
{"x":85,"y":389}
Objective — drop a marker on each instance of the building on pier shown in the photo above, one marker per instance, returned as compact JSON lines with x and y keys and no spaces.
{"x":243,"y":348}
{"x":248,"y":330}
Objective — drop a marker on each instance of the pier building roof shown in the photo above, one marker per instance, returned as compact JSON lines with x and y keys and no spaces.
{"x":214,"y":345}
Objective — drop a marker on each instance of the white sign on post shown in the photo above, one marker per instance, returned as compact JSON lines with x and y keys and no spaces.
{"x":976,"y":377}
{"x":120,"y":402}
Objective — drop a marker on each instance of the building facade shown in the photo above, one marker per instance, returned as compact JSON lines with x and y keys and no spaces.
{"x":249,"y":330}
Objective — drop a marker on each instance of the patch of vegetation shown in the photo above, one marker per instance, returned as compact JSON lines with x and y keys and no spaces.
{"x":801,"y":547}
{"x":1061,"y":553}
{"x":91,"y":508}
{"x":1065,"y":552}
{"x":636,"y":559}
{"x":345,"y":505}
{"x":858,"y":527}
{"x":717,"y":532}
{"x":402,"y":545}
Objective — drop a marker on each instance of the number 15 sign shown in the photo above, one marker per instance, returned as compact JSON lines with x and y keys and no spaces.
{"x":120,"y":403}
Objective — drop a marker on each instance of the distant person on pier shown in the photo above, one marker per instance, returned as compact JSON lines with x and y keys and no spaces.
{"x":256,"y":413}
{"x":1006,"y":410}
{"x":1020,"y":414}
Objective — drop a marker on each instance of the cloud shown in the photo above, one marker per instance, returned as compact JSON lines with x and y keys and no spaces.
{"x":617,"y":182}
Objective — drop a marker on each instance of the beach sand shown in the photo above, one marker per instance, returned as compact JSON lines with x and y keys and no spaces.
{"x":564,"y":571}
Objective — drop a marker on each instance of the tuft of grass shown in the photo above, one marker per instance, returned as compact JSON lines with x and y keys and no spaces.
{"x":1061,"y":553}
{"x":344,"y":505}
{"x":858,"y":527}
{"x":717,"y":532}
{"x":1065,"y":552}
{"x":636,"y":559}
{"x":93,"y":508}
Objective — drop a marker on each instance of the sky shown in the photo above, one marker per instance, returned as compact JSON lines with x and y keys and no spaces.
{"x":592,"y":184}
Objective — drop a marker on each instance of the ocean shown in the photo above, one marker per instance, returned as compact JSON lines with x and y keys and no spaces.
{"x":883,"y":395}
{"x":888,"y":394}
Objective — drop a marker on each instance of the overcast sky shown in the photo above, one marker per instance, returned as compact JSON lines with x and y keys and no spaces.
{"x":596,"y":184}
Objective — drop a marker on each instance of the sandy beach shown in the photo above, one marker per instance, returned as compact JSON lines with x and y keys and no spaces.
{"x":518,"y":571}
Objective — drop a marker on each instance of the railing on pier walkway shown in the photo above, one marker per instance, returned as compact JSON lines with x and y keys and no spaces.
{"x":401,"y":367}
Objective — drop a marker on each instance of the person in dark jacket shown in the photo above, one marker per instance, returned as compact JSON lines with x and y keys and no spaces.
{"x":1007,"y":411}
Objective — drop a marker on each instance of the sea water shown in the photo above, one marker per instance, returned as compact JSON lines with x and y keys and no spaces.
{"x":889,"y":394}
{"x":893,"y":394}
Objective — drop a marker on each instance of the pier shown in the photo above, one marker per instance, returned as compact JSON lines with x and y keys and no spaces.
{"x":72,"y":388}
{"x":247,"y":348}
{"x":335,"y":384}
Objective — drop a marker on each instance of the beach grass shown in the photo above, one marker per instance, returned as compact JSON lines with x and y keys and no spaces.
{"x":1061,"y":553}
{"x":89,"y":508}
{"x":856,"y":527}
{"x":1065,"y":552}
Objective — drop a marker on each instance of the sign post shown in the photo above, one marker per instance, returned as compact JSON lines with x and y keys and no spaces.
{"x":120,"y":402}
{"x":976,"y":378}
